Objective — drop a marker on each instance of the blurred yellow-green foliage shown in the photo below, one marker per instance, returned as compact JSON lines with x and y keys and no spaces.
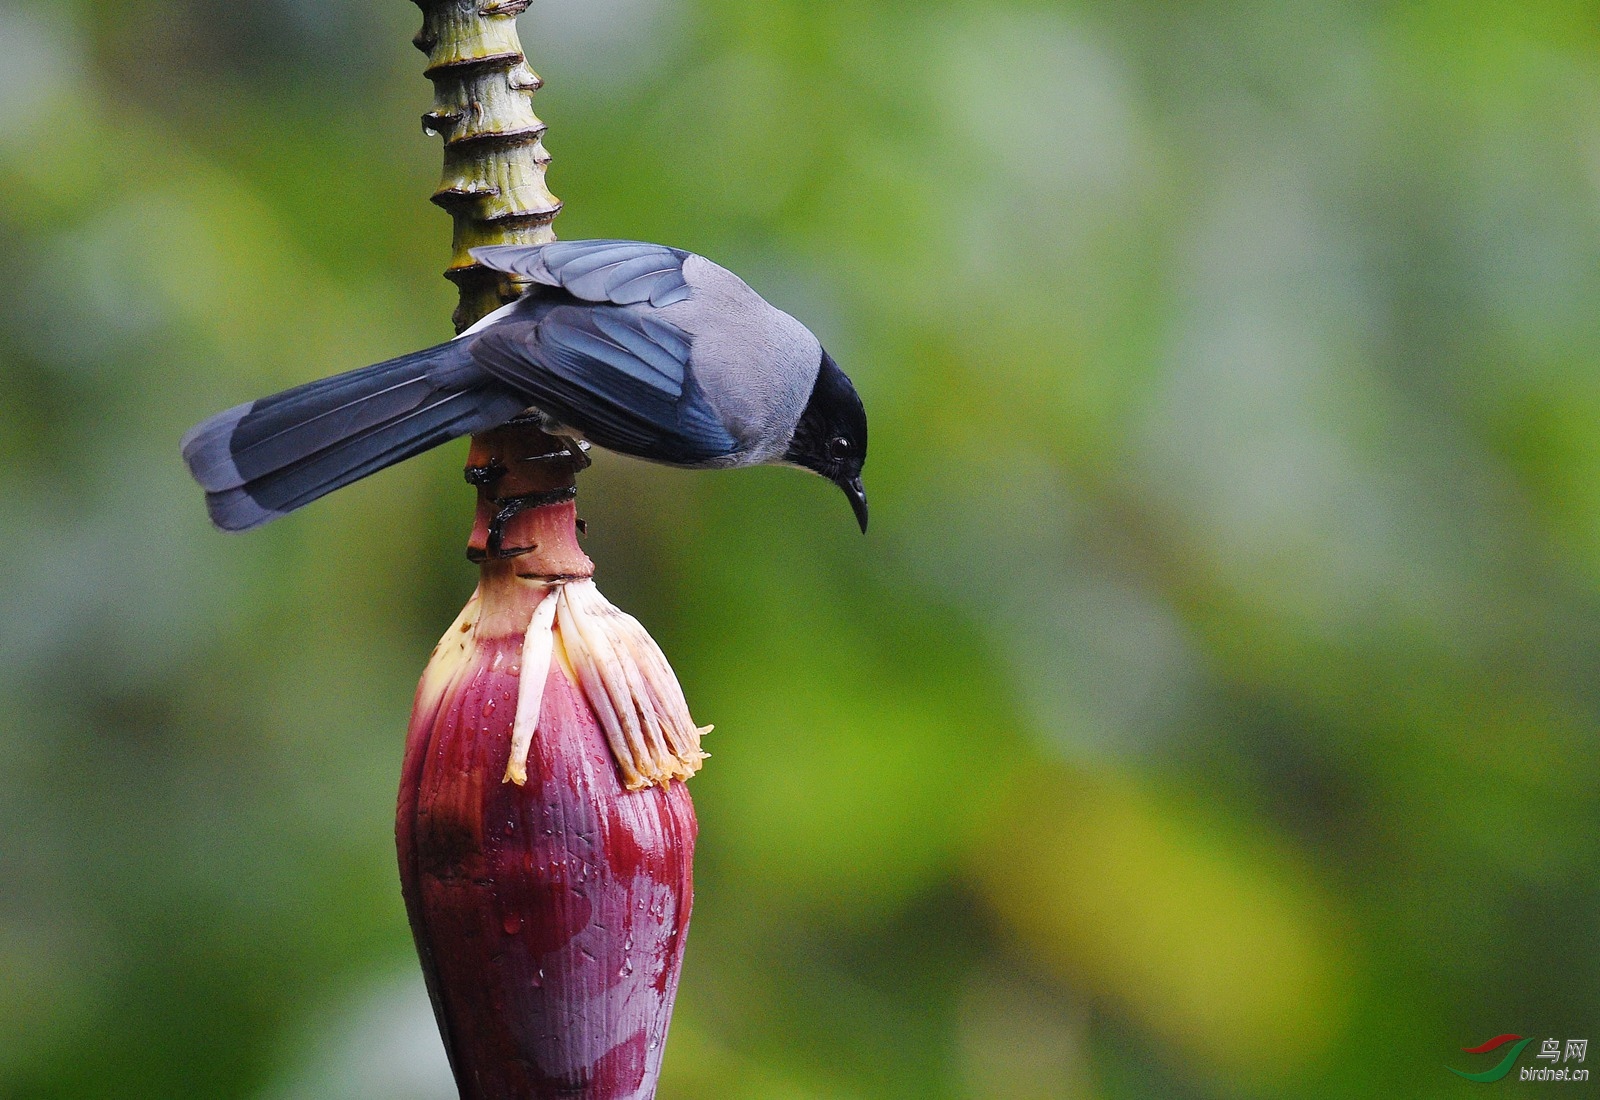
{"x":1211,"y":712}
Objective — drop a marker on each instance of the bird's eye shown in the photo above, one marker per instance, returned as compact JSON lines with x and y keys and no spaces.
{"x":839,"y":449}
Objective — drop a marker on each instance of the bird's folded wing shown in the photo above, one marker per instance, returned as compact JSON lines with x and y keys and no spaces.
{"x":618,"y":376}
{"x":621,"y":272}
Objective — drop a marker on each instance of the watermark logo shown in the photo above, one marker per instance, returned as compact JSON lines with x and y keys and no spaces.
{"x":1551,"y":1050}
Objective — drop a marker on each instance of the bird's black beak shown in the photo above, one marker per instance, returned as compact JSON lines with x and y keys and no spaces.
{"x":858,"y":500}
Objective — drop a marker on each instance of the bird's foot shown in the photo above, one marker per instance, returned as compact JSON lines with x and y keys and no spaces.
{"x":484,"y":476}
{"x":507,"y":508}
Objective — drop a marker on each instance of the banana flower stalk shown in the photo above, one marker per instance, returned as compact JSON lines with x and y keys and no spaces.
{"x":545,"y":849}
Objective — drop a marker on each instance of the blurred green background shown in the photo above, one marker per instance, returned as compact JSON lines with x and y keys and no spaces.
{"x":1211,"y":712}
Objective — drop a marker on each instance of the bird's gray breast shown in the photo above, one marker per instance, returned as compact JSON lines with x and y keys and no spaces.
{"x":754,"y":364}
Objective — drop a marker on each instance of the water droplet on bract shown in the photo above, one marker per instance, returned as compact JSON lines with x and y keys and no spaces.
{"x":627,"y":944}
{"x":627,"y":968}
{"x":512,"y":924}
{"x":488,"y":707}
{"x":538,"y":979}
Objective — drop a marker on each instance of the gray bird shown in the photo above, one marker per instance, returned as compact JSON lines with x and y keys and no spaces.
{"x":638,"y":348}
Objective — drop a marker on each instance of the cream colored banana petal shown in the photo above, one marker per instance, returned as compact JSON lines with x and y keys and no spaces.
{"x":538,"y":647}
{"x":580,"y":655}
{"x":594,"y":619}
{"x":631,"y":687}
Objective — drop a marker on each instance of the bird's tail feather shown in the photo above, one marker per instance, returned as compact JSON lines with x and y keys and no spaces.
{"x":264,"y":459}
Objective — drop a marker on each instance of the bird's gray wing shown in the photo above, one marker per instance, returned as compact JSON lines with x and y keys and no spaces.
{"x":619,"y":376}
{"x":620,"y":272}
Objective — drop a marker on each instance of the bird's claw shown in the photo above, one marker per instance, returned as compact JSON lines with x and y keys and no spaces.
{"x":507,"y":508}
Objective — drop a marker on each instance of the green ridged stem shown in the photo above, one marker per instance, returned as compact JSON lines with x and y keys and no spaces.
{"x":494,"y":157}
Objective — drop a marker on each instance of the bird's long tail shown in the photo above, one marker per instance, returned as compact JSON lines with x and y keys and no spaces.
{"x":259,"y":461}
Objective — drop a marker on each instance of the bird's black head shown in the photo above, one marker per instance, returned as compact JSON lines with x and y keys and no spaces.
{"x":831,"y":437}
